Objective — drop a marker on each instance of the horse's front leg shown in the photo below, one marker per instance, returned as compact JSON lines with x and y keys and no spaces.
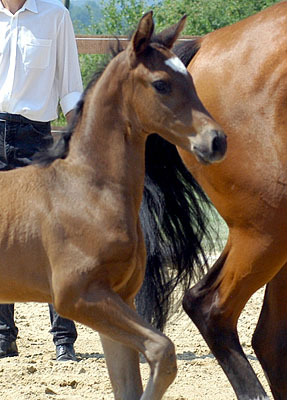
{"x":270,"y":337}
{"x":123,"y":366}
{"x":216,"y":302}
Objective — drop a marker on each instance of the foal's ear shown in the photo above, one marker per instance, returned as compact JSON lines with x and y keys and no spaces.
{"x":141,"y":38}
{"x":170,"y":35}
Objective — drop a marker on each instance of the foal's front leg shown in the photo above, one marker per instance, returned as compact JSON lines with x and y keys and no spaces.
{"x":105,"y":311}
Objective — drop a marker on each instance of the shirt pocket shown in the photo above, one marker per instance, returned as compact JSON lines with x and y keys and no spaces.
{"x":36,"y":53}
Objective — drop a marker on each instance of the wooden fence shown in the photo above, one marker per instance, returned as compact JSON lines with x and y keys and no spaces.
{"x":102,"y":44}
{"x":98,"y":44}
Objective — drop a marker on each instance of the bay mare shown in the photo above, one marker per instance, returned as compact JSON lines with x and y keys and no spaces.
{"x":240,"y":74}
{"x":70,"y":232}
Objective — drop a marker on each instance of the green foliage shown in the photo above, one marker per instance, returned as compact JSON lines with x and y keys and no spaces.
{"x":85,"y":16}
{"x":121,"y":16}
{"x":89,"y":64}
{"x":206,"y":15}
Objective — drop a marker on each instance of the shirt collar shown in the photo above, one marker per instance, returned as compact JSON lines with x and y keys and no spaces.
{"x":29,"y":5}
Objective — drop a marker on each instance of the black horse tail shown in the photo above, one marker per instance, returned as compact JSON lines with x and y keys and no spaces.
{"x":176,"y":220}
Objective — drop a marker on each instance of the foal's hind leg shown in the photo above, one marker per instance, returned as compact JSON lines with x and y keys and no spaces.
{"x":270,"y":337}
{"x":106,"y":312}
{"x":215,"y":303}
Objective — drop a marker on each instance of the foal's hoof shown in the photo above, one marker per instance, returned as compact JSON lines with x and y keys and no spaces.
{"x":8,"y":349}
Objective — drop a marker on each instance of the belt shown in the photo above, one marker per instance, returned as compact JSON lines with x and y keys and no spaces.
{"x":20,"y":119}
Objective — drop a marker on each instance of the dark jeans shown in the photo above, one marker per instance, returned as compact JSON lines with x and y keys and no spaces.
{"x":20,"y":139}
{"x":62,"y":329}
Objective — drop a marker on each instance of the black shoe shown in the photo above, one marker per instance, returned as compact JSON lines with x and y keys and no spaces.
{"x":65,"y":352}
{"x":8,"y":349}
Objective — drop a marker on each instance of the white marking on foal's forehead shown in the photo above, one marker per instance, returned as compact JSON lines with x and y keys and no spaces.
{"x":177,"y":65}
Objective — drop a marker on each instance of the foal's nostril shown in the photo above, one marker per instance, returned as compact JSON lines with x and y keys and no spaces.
{"x":219,"y":143}
{"x":216,"y":144}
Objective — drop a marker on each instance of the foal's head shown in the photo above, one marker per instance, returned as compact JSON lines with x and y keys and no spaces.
{"x":159,"y":94}
{"x":146,"y":89}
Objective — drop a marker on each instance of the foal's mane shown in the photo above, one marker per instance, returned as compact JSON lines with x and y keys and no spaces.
{"x":187,"y":49}
{"x":60,"y":148}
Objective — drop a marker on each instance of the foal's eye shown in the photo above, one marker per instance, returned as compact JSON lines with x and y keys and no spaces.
{"x":162,"y":87}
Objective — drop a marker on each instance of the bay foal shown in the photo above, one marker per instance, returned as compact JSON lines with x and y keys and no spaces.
{"x":70,"y":232}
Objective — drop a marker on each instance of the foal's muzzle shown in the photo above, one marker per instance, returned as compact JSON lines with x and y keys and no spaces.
{"x":210,"y":146}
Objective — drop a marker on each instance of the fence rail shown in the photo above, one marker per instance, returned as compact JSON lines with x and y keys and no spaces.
{"x":98,"y":44}
{"x":102,"y":44}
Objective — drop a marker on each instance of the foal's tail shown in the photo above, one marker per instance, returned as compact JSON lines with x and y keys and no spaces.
{"x":175,"y":217}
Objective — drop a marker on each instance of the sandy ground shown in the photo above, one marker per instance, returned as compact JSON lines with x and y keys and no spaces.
{"x":35,"y":375}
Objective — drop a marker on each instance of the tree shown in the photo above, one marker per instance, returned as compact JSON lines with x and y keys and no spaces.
{"x":121,"y":16}
{"x":207,"y":15}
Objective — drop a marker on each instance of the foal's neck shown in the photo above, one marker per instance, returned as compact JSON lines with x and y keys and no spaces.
{"x":107,"y":142}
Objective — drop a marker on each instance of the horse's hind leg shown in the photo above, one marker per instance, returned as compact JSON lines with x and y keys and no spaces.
{"x":106,"y":312}
{"x":215,"y":303}
{"x":270,"y":337}
{"x":201,"y":304}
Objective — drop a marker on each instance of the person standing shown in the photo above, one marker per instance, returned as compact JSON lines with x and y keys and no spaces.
{"x":39,"y":68}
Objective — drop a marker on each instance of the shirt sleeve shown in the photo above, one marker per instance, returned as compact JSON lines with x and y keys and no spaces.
{"x":68,"y":72}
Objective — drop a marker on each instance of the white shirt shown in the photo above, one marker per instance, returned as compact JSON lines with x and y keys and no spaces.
{"x":38,"y":61}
